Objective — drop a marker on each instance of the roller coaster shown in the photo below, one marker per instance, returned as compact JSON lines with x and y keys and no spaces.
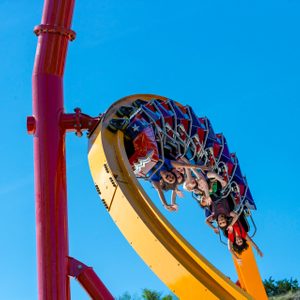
{"x":178,"y":132}
{"x":128,"y":143}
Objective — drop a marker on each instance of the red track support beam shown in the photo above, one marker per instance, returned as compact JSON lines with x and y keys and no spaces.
{"x":78,"y":122}
{"x":89,"y":280}
{"x":49,"y":149}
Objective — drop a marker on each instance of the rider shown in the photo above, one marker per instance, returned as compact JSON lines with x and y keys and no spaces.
{"x":208,"y":186}
{"x":169,"y":177}
{"x":238,"y":240}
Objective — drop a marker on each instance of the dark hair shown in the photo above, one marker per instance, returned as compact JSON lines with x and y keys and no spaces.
{"x":226,"y":219}
{"x":182,"y":176}
{"x":224,"y":229}
{"x":167,"y":186}
{"x":197,"y":191}
{"x":239,"y":249}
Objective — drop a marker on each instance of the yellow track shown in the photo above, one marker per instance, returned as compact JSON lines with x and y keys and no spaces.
{"x":187,"y":273}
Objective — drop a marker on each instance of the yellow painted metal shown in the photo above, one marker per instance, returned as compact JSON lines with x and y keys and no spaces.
{"x":187,"y":273}
{"x":249,"y":276}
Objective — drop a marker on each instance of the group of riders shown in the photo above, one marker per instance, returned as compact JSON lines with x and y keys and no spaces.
{"x":210,"y":189}
{"x":167,"y":146}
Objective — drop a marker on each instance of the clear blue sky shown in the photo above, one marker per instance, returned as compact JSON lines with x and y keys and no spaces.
{"x":236,"y":62}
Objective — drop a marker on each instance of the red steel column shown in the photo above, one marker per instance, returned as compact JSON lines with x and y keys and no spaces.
{"x":49,"y":149}
{"x":89,"y":280}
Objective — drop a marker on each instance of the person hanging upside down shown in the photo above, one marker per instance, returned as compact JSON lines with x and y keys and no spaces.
{"x":205,"y":187}
{"x":238,"y":240}
{"x":143,"y":154}
{"x":144,"y":157}
{"x":169,"y":177}
{"x":221,"y":213}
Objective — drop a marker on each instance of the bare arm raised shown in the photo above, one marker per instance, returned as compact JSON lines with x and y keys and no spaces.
{"x":254,"y":246}
{"x":162,"y":197}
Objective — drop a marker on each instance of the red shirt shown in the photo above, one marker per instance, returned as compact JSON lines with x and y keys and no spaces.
{"x":238,"y":230}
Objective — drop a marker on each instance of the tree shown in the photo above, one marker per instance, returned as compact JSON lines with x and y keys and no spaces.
{"x":270,"y":286}
{"x":279,"y":287}
{"x":151,"y":295}
{"x":147,"y":295}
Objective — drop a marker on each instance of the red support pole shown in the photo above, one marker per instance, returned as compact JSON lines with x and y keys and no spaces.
{"x":49,"y":149}
{"x":89,"y":280}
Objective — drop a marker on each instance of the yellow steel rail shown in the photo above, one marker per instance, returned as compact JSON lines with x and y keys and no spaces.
{"x":249,"y":276}
{"x":187,"y":273}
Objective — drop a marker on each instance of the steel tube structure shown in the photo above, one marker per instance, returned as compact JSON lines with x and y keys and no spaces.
{"x":89,"y":280}
{"x":49,"y":149}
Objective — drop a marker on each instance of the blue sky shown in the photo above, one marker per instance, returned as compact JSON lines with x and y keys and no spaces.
{"x":236,"y":62}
